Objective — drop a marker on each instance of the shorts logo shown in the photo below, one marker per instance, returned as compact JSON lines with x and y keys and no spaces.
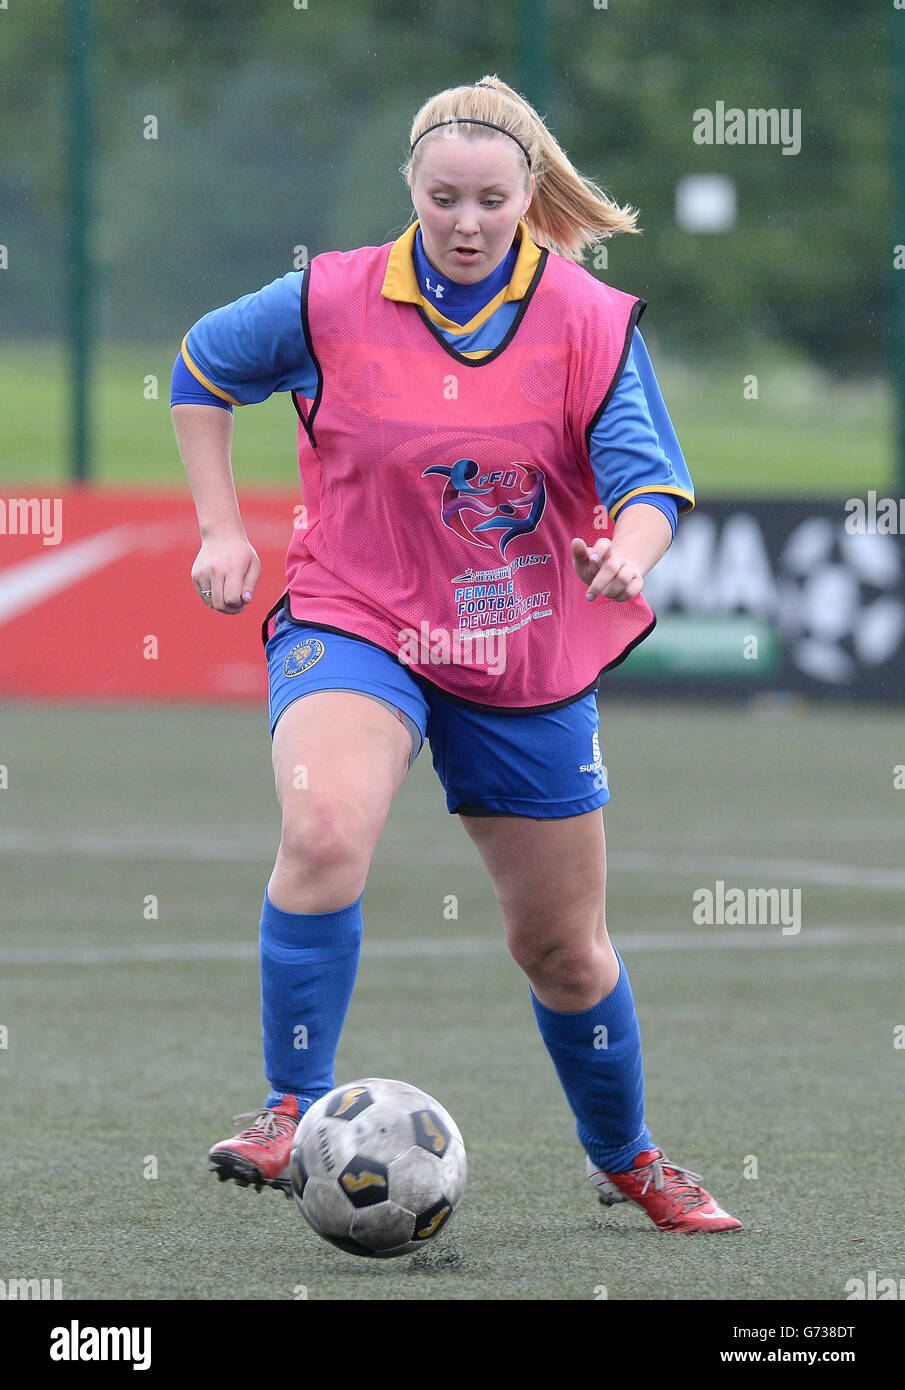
{"x":303,"y":657}
{"x":597,"y":765}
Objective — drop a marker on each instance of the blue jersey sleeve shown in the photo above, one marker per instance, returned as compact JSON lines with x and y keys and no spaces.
{"x":663,"y":501}
{"x":247,"y":350}
{"x":186,"y":389}
{"x":635,"y":455}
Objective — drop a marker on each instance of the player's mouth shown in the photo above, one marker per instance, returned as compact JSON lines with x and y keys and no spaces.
{"x":465,"y":254}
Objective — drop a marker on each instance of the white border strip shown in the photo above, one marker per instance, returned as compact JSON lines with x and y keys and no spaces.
{"x":222,"y":849}
{"x":719,"y":939}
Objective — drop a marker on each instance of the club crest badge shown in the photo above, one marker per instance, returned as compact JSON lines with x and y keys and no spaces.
{"x":303,"y":657}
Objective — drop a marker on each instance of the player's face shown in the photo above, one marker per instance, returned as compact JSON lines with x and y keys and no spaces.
{"x":469,"y":196}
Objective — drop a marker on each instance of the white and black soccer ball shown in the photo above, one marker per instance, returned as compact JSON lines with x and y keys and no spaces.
{"x":840,"y":597}
{"x":378,"y":1167}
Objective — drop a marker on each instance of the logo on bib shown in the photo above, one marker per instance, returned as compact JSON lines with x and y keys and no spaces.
{"x":303,"y":657}
{"x":508,"y":500}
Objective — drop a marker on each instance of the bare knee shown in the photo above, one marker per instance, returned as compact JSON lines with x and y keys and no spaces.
{"x":323,"y":859}
{"x":337,"y":759}
{"x":566,"y":973}
{"x":574,"y":969}
{"x":324,"y":837}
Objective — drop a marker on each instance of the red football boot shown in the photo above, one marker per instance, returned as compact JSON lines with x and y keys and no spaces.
{"x":260,"y":1154}
{"x":671,"y":1196}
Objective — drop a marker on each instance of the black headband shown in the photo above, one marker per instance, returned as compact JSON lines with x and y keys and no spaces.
{"x":467,"y":120}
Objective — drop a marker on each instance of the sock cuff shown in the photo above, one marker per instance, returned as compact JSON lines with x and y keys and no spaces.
{"x":613,"y":1010}
{"x":304,"y":1101}
{"x":615,"y":1160}
{"x":340,"y":928}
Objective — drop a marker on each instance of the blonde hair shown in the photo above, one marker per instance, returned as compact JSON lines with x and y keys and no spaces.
{"x":568,"y":213}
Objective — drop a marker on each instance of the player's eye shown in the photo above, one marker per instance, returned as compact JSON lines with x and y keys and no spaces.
{"x":491,"y":203}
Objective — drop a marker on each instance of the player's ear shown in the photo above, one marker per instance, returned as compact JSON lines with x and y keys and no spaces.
{"x":532,"y":183}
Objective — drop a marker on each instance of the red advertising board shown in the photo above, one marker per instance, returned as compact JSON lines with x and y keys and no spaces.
{"x":97,"y":601}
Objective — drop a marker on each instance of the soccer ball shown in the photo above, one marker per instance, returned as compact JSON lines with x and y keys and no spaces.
{"x":377,"y":1167}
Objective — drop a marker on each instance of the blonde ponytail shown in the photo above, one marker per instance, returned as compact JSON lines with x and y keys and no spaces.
{"x":568,"y":213}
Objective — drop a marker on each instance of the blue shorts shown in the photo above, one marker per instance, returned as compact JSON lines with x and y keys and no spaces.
{"x":544,"y":765}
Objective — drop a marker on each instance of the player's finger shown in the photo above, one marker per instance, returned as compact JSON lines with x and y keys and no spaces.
{"x":215,"y":584}
{"x":603,"y":581}
{"x":587,"y":561}
{"x":238,"y":589}
{"x":252,"y":575}
{"x":579,"y":550}
{"x":604,"y":568}
{"x":599,"y":555}
{"x":233,"y":589}
{"x":203,"y":588}
{"x":618,"y":586}
{"x":625,"y":583}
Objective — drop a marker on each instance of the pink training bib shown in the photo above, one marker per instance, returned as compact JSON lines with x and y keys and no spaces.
{"x":441,"y":495}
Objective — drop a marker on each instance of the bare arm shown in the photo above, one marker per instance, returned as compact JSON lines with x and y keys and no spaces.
{"x":226,"y":565}
{"x":616,"y":567}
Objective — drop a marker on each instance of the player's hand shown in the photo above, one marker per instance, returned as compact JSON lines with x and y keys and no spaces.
{"x":605,"y":571}
{"x":228,"y":568}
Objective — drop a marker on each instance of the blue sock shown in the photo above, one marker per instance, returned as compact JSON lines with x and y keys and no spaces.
{"x":604,"y":1084}
{"x":309,"y":961}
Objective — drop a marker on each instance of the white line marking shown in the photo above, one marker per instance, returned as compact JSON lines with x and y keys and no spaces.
{"x":215,"y":848}
{"x":721,"y":938}
{"x":724,"y":866}
{"x":24,"y":585}
{"x":117,"y":844}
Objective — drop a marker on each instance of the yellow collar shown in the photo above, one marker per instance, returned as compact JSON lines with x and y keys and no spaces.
{"x":400,"y":282}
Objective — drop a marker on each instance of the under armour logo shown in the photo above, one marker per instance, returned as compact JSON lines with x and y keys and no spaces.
{"x":436,"y":290}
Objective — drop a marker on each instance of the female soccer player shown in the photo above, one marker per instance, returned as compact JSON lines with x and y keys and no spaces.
{"x":488,"y":472}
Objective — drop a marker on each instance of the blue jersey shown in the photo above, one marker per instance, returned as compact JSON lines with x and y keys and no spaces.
{"x":244,"y":352}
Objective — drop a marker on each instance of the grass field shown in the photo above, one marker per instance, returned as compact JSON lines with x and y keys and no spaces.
{"x":132,"y":1040}
{"x":805,"y":434}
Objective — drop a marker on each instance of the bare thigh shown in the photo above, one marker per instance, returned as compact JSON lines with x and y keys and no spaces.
{"x":338,"y":760}
{"x":549,"y":877}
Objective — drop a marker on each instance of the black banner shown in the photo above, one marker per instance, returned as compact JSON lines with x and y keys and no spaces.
{"x":794,"y":596}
